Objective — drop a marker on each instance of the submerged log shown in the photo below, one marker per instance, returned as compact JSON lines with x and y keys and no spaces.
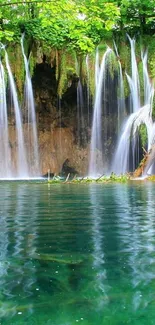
{"x":146,"y":163}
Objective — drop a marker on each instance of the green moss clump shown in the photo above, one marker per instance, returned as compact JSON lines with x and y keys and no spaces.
{"x":143,"y":134}
{"x":112,"y":64}
{"x":32,"y":63}
{"x":141,"y":80}
{"x":153,"y":109}
{"x":151,"y":56}
{"x":65,"y":69}
{"x":102,"y":48}
{"x":91,"y":73}
{"x":17,"y":66}
{"x":62,"y":75}
{"x":124,"y":53}
{"x":126,"y":87}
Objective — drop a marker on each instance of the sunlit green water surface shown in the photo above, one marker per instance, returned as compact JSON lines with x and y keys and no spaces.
{"x":77,"y":254}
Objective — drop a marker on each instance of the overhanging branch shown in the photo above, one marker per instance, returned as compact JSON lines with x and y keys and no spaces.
{"x":23,"y":3}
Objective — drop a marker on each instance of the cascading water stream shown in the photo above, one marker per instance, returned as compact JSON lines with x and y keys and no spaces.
{"x":148,"y":95}
{"x":22,"y":166}
{"x":139,"y":116}
{"x":96,"y":163}
{"x":134,"y":81}
{"x":148,"y":88}
{"x":122,"y":156}
{"x":32,"y":126}
{"x":121,"y":98}
{"x":5,"y":158}
{"x":80,"y":113}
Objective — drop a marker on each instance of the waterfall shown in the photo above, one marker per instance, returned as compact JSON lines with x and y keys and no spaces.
{"x":121,"y":98}
{"x":148,"y":99}
{"x":5,"y":157}
{"x":148,"y":94}
{"x":128,"y":146}
{"x":122,"y":157}
{"x":96,"y":163}
{"x":148,"y":88}
{"x":32,"y":143}
{"x":134,"y":80}
{"x":80,"y":114}
{"x":17,"y":162}
{"x":22,"y":166}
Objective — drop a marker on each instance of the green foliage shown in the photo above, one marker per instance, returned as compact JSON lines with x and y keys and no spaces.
{"x":78,"y":25}
{"x":123,"y":178}
{"x":7,"y":35}
{"x":137,"y":15}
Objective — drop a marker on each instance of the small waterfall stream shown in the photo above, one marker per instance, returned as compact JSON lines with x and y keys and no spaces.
{"x":134,"y":83}
{"x":96,"y":163}
{"x":5,"y":158}
{"x":121,"y":98}
{"x":121,"y":95}
{"x":22,"y":165}
{"x":31,"y":118}
{"x":80,"y":114}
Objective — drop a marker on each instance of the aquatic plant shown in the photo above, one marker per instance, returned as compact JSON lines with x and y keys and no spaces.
{"x":87,"y":180}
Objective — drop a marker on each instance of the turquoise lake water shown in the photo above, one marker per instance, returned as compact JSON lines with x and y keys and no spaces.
{"x":77,"y":254}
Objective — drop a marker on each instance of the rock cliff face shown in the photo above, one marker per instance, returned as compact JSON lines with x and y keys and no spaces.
{"x":57,"y":124}
{"x":58,"y":145}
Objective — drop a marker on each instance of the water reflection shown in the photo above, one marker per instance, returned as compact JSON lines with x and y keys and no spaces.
{"x":123,"y":235}
{"x":17,"y":244}
{"x":136,"y":229}
{"x":73,"y":254}
{"x":100,"y":276}
{"x":4,"y":242}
